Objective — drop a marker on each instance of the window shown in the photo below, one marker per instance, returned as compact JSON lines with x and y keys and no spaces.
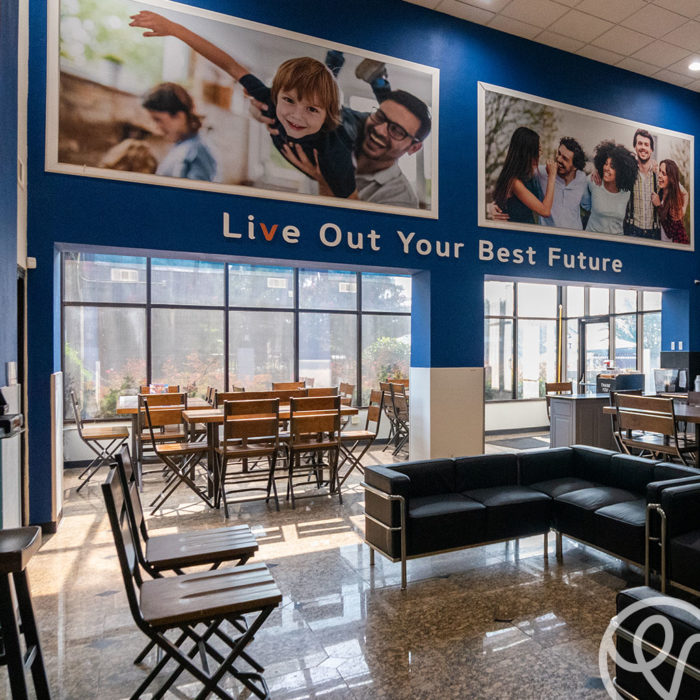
{"x":128,"y":321}
{"x":522,"y":334}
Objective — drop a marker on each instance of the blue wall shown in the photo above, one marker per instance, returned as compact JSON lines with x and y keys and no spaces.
{"x":8,"y":186}
{"x":448,"y":320}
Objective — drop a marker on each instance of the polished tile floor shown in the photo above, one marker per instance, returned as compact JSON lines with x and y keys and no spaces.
{"x":500,"y":621}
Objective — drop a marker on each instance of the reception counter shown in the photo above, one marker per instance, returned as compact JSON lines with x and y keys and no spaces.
{"x":577,"y":419}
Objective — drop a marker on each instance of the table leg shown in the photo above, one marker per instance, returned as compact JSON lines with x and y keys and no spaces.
{"x":213,"y":441}
{"x":134,"y":450}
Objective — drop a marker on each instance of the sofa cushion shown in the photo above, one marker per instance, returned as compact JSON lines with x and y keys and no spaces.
{"x":573,"y":512}
{"x":444,"y":521}
{"x":513,"y":511}
{"x":545,"y":464}
{"x":558,"y":487}
{"x":485,"y":471}
{"x":429,"y":477}
{"x":684,"y":559}
{"x":620,"y":528}
{"x":592,"y":463}
{"x":631,"y":473}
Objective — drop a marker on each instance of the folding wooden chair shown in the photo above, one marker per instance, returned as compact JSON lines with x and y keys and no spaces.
{"x":144,"y":439}
{"x":556,"y":388}
{"x":103,"y":440}
{"x":347,"y":391}
{"x":649,"y":424}
{"x":174,"y":552}
{"x":182,"y":458}
{"x":353,"y":440}
{"x":314,"y":428}
{"x":251,"y":431}
{"x":402,"y":419}
{"x":196,"y":608}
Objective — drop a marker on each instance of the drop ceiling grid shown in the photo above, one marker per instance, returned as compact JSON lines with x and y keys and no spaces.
{"x":656,"y":38}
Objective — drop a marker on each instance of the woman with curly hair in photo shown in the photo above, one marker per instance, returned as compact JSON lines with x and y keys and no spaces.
{"x":671,"y":203}
{"x":607,"y":202}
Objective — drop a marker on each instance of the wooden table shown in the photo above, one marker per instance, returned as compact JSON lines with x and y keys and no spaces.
{"x":688,"y":413}
{"x":214,"y":417}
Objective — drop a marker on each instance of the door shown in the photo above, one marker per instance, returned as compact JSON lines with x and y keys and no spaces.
{"x":594,"y":338}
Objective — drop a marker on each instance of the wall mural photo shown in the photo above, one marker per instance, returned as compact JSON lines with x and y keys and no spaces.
{"x":548,"y":167}
{"x":163,"y":93}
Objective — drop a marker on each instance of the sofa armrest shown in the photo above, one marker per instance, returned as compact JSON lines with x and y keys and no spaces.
{"x":388,"y":480}
{"x":655,"y":488}
{"x":386,"y":501}
{"x":681,"y":508}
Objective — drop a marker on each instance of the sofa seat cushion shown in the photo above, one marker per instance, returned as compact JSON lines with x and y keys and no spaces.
{"x":620,"y":528}
{"x":513,"y":511}
{"x":684,"y":559}
{"x":573,"y":512}
{"x":445,"y":521}
{"x":565,"y":484}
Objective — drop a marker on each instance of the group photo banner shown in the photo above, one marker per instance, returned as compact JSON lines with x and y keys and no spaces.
{"x":548,"y":167}
{"x":162,"y":93}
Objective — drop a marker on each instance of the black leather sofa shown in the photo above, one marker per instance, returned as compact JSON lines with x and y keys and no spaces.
{"x":637,"y":622}
{"x":597,"y":496}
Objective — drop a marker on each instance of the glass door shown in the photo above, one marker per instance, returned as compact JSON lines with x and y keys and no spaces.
{"x":594,"y":337}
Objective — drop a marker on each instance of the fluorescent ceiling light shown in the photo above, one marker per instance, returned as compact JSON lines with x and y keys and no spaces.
{"x":695,"y":65}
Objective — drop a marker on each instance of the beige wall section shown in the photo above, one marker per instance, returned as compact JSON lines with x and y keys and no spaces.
{"x":447,"y":412}
{"x":512,"y":415}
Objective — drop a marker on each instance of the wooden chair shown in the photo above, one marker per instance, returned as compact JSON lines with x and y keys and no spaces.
{"x":401,"y":414}
{"x":353,"y":440}
{"x":251,"y":431}
{"x":169,"y":389}
{"x":656,"y":419}
{"x":613,"y":416}
{"x":103,"y":441}
{"x":182,"y":458}
{"x":143,"y":434}
{"x":284,"y":395}
{"x":557,"y":388}
{"x":218,"y":600}
{"x":399,"y":380}
{"x":281,"y":386}
{"x":314,"y":428}
{"x":347,"y":391}
{"x":174,"y":552}
{"x":323,"y":391}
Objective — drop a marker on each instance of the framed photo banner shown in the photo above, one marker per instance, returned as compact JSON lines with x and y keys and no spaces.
{"x":548,"y":167}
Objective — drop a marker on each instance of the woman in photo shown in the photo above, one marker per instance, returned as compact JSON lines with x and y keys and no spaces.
{"x":172,"y":109}
{"x":607,"y":202}
{"x":517,"y":192}
{"x":671,"y":203}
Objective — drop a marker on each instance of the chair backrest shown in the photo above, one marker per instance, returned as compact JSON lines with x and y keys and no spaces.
{"x":76,"y":413}
{"x":559,"y":388}
{"x":308,"y":381}
{"x":172,"y":389}
{"x":651,"y":414}
{"x":347,"y":391}
{"x":374,"y":410}
{"x":251,"y":419}
{"x":401,"y":407}
{"x":131,"y":494}
{"x":161,"y":418}
{"x":390,"y":387}
{"x":144,"y":389}
{"x":282,"y":386}
{"x":315,"y":414}
{"x":123,"y":541}
{"x":399,"y":380}
{"x":282,"y":395}
{"x":322,"y":391}
{"x":173,"y":399}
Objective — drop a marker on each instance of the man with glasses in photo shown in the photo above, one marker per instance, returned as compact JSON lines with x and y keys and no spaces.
{"x":397,"y":127}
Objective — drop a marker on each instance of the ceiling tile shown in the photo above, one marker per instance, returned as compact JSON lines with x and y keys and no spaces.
{"x":613,"y":11}
{"x":687,"y":36}
{"x":432,"y":4}
{"x":682,"y":66}
{"x":514,"y":26}
{"x":490,"y":5}
{"x":468,"y":12}
{"x":695,"y":86}
{"x":661,"y":54}
{"x":674,"y":78}
{"x":558,"y":41}
{"x":580,"y":26}
{"x":689,"y":8}
{"x":570,"y":3}
{"x":636,"y":66}
{"x":598,"y":54}
{"x":654,"y":21}
{"x":624,"y":41}
{"x":538,"y":12}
